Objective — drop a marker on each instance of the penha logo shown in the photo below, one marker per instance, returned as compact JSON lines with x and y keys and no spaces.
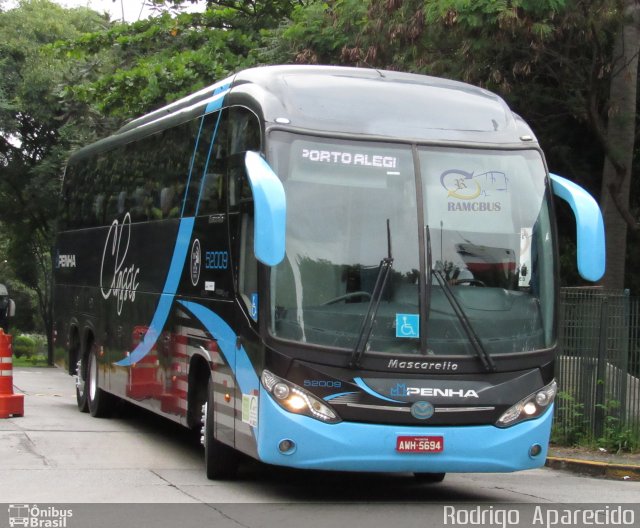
{"x":124,"y":281}
{"x":65,"y":261}
{"x":401,"y":389}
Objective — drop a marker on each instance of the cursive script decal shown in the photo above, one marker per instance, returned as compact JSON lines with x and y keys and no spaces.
{"x":124,"y":280}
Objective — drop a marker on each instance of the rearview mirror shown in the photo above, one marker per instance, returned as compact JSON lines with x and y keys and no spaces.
{"x":589,"y":227}
{"x":270,"y":210}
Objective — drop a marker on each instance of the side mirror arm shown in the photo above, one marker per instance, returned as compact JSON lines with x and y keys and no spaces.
{"x":591,"y":249}
{"x":270,"y":210}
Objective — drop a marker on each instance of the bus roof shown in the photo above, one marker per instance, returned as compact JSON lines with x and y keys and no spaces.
{"x":353,"y":101}
{"x":380,"y":103}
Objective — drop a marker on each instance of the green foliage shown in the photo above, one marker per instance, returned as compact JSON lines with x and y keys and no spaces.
{"x":570,"y":426}
{"x":617,"y":435}
{"x":130,"y":69}
{"x":29,"y":350}
{"x":318,"y":33}
{"x":24,"y":345}
{"x":34,"y":139}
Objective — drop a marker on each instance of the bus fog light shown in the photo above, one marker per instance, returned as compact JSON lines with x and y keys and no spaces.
{"x":287,"y":447}
{"x":535,"y":450}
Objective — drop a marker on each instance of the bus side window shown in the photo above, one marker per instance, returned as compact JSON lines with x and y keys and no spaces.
{"x":246,"y":267}
{"x":243,"y":135}
{"x":213,"y":192}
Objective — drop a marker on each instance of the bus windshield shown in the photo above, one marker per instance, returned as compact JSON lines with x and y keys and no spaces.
{"x":487,"y":218}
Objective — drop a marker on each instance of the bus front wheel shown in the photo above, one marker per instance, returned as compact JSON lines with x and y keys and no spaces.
{"x":221,"y":461}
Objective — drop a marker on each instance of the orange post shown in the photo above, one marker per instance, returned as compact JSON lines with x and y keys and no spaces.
{"x":10,"y":404}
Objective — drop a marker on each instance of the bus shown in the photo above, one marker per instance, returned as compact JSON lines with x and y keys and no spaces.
{"x":323,"y":268}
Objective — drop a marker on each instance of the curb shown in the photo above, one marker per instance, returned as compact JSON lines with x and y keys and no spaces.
{"x":595,"y":469}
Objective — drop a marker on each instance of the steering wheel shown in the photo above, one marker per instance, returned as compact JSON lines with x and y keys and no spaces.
{"x":471,"y":282}
{"x":347,"y":296}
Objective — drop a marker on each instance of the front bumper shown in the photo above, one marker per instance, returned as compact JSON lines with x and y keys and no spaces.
{"x":350,"y":446}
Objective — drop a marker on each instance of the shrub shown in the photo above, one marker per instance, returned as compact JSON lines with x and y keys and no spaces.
{"x":24,"y":346}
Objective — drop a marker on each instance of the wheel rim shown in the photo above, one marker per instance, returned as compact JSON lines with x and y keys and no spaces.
{"x":80,"y":382}
{"x":93,"y":378}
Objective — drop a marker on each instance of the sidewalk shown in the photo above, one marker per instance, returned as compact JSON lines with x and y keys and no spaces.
{"x":596,"y":463}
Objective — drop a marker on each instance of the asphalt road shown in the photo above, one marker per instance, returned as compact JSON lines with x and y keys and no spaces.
{"x":55,"y":454}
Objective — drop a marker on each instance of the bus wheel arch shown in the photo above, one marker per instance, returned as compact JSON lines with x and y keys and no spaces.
{"x":221,"y":460}
{"x":198,"y":382}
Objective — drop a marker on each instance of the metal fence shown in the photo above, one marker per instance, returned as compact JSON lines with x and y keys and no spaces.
{"x":598,"y":368}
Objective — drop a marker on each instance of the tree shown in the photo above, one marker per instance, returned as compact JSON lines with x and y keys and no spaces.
{"x":554,"y":61}
{"x":619,"y":139}
{"x":33,"y":137}
{"x":130,"y":69}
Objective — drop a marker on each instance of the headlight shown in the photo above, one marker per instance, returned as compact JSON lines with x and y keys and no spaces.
{"x":530,"y":407}
{"x":296,"y":400}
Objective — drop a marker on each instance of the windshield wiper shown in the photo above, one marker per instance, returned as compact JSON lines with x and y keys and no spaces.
{"x":481,"y":352}
{"x":384,"y":270}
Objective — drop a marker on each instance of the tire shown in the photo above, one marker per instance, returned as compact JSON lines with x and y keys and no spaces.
{"x":429,"y":477}
{"x":81,"y":386}
{"x":221,"y":460}
{"x":100,"y":403}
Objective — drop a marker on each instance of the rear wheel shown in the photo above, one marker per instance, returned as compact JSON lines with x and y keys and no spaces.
{"x":221,"y":461}
{"x":81,"y":388}
{"x":100,"y":403}
{"x":429,"y":477}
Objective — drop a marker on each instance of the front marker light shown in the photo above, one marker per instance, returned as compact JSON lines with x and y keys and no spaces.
{"x":296,"y":400}
{"x":530,"y":407}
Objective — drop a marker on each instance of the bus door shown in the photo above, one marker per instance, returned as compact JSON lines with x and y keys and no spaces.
{"x":245,"y":268}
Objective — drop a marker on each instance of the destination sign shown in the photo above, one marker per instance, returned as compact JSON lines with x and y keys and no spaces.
{"x":354,"y":159}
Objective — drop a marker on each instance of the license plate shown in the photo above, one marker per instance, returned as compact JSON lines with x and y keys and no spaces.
{"x":420,"y":444}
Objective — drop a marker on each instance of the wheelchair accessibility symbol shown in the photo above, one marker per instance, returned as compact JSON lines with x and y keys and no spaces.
{"x":408,"y":326}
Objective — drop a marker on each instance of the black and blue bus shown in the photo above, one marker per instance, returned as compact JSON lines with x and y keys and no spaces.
{"x":323,"y":268}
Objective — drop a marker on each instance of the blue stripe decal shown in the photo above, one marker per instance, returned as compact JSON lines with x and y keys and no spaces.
{"x":179,"y":253}
{"x":215,"y":104}
{"x":193,"y":159}
{"x":206,"y":167}
{"x":360,"y":383}
{"x":333,"y":396}
{"x":166,"y":299}
{"x":227,"y":340}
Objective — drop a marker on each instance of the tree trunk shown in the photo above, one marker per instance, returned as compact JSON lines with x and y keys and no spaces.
{"x":616,"y":175}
